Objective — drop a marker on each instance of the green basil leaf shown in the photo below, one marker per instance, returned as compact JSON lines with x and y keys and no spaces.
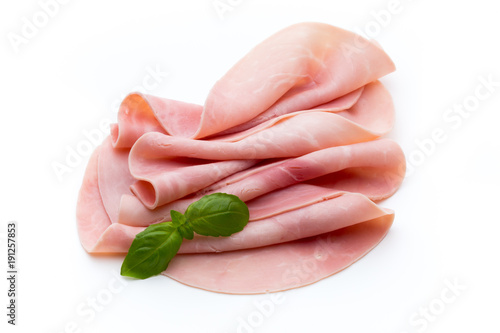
{"x":179,"y":220}
{"x":152,"y":250}
{"x":217,"y":214}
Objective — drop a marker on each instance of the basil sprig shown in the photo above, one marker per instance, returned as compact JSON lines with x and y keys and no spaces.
{"x":217,"y":214}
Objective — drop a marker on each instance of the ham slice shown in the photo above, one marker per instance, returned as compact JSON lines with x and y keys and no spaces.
{"x":293,"y":129}
{"x":297,"y":68}
{"x":276,"y":197}
{"x":92,"y":219}
{"x":161,"y":181}
{"x":313,"y":210}
{"x":163,"y":178}
{"x":355,"y":168}
{"x":97,"y":233}
{"x":279,"y":267}
{"x":342,"y":103}
{"x":114,"y":177}
{"x":321,"y":212}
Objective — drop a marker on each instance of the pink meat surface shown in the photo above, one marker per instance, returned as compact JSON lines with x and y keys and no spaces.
{"x":92,"y":219}
{"x":97,"y":233}
{"x":325,"y":211}
{"x":373,"y":168}
{"x":282,"y":266}
{"x":293,"y":129}
{"x":297,"y":68}
{"x":161,"y":181}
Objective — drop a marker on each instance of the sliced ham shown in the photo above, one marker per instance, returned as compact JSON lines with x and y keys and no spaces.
{"x":321,"y":212}
{"x":114,"y":178}
{"x":97,"y":233}
{"x":91,"y":217}
{"x":279,"y":267}
{"x":161,"y":181}
{"x":374,"y":168}
{"x":140,"y":114}
{"x":295,"y":136}
{"x":163,"y":177}
{"x":293,"y":129}
{"x":298,"y":68}
{"x":338,"y":104}
{"x":295,"y":193}
{"x":315,"y":211}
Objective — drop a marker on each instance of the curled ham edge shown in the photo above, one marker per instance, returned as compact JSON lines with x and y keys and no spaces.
{"x":354,"y":120}
{"x":297,"y":74}
{"x":357,"y":226}
{"x":290,"y":194}
{"x":358,"y":168}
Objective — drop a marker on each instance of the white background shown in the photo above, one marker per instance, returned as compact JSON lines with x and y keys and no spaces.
{"x":68,"y":77}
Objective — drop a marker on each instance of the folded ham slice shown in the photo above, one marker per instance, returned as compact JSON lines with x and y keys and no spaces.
{"x":298,"y":68}
{"x":282,"y":266}
{"x":293,"y":129}
{"x":308,"y":210}
{"x":164,"y":178}
{"x":322,"y":211}
{"x":357,"y":168}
